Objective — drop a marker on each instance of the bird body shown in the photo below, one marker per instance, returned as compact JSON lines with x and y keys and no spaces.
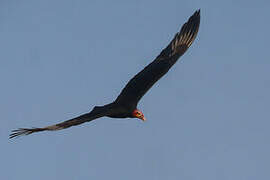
{"x":125,"y":105}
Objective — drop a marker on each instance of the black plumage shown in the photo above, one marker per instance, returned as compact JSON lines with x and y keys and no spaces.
{"x":125,"y":104}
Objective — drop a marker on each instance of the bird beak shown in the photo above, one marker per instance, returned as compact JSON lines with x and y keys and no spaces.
{"x":143,"y":118}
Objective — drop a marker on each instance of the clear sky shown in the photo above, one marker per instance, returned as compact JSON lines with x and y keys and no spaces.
{"x":208,"y":118}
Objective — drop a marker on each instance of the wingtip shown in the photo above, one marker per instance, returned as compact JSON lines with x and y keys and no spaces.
{"x":189,"y":30}
{"x":17,"y":133}
{"x":197,"y":12}
{"x":23,"y":131}
{"x":196,"y":15}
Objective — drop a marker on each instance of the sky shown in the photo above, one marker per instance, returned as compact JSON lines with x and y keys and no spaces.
{"x":208,"y":118}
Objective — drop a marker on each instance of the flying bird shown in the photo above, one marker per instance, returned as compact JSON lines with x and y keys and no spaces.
{"x":125,"y":105}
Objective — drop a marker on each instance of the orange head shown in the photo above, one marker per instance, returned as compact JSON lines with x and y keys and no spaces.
{"x":138,"y":114}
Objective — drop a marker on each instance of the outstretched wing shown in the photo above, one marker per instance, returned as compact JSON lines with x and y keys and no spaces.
{"x":97,"y":112}
{"x":145,"y":79}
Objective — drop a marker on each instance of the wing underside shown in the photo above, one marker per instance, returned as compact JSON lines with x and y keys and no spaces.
{"x":97,"y":112}
{"x":145,"y":79}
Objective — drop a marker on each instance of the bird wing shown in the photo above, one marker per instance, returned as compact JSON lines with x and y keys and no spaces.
{"x":97,"y":112}
{"x":145,"y":79}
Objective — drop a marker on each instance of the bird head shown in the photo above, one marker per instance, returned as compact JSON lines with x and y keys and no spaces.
{"x":138,"y":114}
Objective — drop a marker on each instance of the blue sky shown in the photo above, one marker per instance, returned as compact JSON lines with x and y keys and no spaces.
{"x":208,"y":118}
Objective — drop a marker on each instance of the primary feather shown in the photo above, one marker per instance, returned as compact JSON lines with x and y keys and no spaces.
{"x":144,"y":80}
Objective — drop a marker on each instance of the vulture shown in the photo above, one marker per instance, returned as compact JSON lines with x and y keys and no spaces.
{"x":125,"y":105}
